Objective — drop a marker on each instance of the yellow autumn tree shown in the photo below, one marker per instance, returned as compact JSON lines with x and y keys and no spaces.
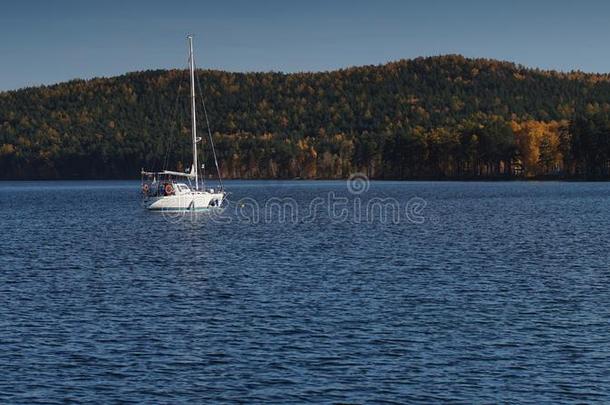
{"x":539,"y":145}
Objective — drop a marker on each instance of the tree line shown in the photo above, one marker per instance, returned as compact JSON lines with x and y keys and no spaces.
{"x":444,"y":117}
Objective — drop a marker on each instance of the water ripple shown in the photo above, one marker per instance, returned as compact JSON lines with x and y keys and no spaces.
{"x":503,"y":299}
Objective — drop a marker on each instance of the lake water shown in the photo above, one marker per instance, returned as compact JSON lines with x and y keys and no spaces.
{"x":305,"y":292}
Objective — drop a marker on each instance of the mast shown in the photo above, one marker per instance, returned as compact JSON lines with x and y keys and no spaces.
{"x":193,"y":118}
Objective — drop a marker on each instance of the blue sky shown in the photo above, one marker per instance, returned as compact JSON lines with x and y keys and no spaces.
{"x":45,"y":42}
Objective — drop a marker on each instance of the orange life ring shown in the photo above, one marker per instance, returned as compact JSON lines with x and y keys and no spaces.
{"x":145,"y":188}
{"x":169,"y":189}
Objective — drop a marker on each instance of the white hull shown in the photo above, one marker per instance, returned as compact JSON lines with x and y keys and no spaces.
{"x":190,"y":201}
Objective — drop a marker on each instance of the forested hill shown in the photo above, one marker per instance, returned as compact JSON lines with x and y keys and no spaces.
{"x":438,"y":117}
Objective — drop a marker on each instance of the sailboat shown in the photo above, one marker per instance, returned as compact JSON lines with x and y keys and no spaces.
{"x":177,"y":191}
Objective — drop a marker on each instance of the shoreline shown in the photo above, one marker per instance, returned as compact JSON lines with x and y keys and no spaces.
{"x":439,"y":180}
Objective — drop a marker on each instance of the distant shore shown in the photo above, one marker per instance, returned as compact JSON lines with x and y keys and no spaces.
{"x":418,"y":179}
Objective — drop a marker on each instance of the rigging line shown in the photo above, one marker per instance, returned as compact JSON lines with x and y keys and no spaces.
{"x":207,"y":121}
{"x":172,"y":136}
{"x":170,"y":141}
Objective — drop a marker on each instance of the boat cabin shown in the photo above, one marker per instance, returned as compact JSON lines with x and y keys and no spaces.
{"x":164,"y":184}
